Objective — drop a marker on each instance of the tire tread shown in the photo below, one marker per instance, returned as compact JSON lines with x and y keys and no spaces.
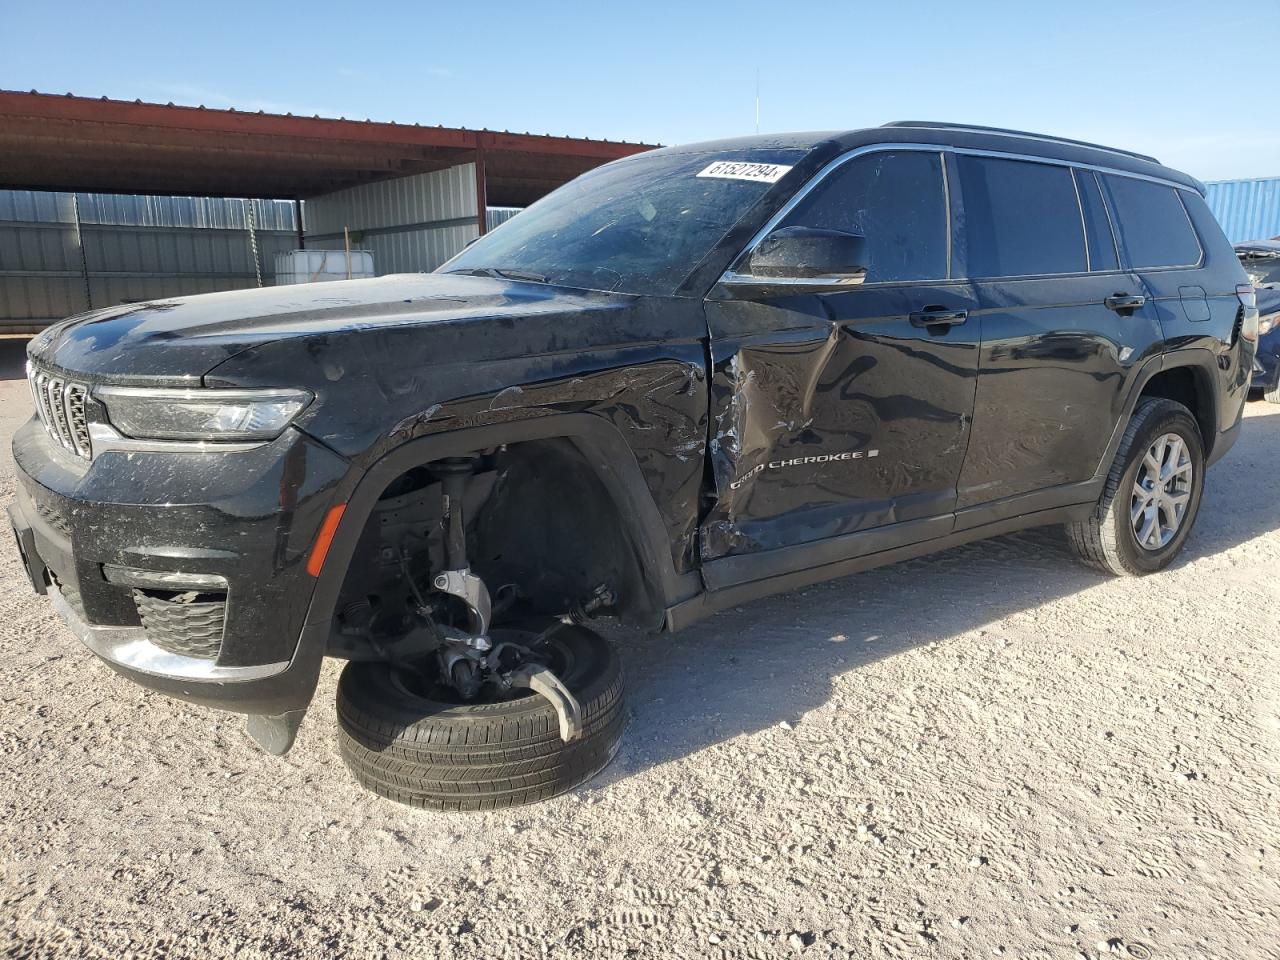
{"x":476,"y":756}
{"x":1095,"y":540}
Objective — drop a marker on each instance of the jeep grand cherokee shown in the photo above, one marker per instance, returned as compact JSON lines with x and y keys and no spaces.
{"x":687,"y":379}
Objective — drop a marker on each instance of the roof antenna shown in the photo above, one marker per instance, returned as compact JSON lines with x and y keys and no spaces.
{"x":757,"y":99}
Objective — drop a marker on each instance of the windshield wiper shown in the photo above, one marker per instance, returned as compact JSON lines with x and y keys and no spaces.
{"x":503,"y":274}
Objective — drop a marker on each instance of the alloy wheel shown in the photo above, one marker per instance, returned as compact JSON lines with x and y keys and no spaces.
{"x":1161,"y":492}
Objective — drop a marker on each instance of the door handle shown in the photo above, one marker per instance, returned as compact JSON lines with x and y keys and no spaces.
{"x":1124,"y":303}
{"x":938,"y":317}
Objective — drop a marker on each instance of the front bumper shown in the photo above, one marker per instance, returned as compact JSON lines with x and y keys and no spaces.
{"x":92,"y":532}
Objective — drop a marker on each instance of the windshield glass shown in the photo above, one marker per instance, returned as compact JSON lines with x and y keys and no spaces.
{"x":639,"y":225}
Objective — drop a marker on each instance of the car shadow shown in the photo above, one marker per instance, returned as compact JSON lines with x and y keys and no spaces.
{"x":775,"y":660}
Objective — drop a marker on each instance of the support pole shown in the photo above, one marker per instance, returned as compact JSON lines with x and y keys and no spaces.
{"x":297,"y":220}
{"x":84,"y":261}
{"x":482,"y":193}
{"x":251,"y":219}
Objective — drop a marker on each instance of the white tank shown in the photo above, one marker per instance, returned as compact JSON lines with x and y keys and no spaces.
{"x":310,"y":266}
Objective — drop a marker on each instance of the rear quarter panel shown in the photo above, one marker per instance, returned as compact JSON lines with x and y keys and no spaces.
{"x":1198,"y":309}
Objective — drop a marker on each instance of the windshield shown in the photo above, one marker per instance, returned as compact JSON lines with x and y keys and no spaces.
{"x":639,"y":225}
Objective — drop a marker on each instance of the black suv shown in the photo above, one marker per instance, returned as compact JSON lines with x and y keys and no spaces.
{"x":687,"y":379}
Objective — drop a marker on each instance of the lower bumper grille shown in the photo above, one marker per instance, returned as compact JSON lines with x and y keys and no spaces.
{"x":54,"y":519}
{"x":186,"y":623}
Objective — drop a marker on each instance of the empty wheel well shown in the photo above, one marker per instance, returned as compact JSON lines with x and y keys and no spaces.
{"x":1189,"y":387}
{"x":540,"y":525}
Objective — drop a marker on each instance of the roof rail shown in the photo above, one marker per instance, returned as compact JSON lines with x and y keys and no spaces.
{"x":941,"y":125}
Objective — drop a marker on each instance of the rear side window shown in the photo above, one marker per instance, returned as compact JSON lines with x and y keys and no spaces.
{"x":1023,"y":218}
{"x":1153,"y":223}
{"x":897,"y":201}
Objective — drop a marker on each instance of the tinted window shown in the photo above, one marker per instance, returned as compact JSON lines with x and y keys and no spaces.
{"x":1153,"y":223}
{"x":1023,"y":218}
{"x":895,"y":200}
{"x":1102,"y":245}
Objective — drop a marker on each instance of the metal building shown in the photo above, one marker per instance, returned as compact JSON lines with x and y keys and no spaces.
{"x":210,"y":196}
{"x":1247,"y":209}
{"x":63,"y":253}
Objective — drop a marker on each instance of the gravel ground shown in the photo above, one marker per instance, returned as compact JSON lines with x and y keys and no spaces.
{"x":989,"y":752}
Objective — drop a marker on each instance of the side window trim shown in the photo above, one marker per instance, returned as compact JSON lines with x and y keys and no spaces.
{"x":1122,"y":264}
{"x":1084,"y":227}
{"x":946,"y":204}
{"x":957,"y":229}
{"x":1086,"y":176}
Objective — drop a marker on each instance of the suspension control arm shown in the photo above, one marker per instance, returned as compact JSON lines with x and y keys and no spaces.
{"x":542,"y":680}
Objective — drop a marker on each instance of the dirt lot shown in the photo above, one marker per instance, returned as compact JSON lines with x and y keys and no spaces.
{"x":990,"y":752}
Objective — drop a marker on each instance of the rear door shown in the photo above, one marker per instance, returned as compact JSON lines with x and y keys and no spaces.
{"x":840,"y":420}
{"x":1064,"y":330}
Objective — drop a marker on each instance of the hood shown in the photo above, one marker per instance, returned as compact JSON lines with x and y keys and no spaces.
{"x":181,"y":339}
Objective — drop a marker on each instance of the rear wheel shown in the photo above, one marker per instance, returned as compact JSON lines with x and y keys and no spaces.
{"x":412,"y":740}
{"x":1151,"y":497}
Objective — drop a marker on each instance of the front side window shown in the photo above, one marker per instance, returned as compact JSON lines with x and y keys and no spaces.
{"x":1023,"y":218}
{"x":1153,"y":223}
{"x":897,"y":201}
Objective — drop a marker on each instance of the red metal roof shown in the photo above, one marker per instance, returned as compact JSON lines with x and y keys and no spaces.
{"x":51,"y":142}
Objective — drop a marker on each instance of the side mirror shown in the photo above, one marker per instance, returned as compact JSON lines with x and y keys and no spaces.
{"x":802,"y":260}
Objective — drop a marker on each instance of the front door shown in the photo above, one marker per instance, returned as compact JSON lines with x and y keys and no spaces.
{"x":840,"y":420}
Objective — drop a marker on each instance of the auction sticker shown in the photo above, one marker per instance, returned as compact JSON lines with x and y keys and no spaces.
{"x":740,"y":170}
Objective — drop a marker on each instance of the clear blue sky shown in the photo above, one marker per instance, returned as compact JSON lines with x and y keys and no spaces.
{"x":1186,"y":81}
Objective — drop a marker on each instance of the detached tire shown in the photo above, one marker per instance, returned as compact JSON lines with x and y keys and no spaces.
{"x":412,"y":744}
{"x":1118,"y":538}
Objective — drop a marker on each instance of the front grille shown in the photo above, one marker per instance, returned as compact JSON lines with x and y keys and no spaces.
{"x":60,"y":404}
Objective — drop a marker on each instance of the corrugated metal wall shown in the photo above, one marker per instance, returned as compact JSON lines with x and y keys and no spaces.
{"x":127,"y":248}
{"x":130,"y":248}
{"x":1247,"y":209}
{"x":411,"y":224}
{"x":496,"y":216}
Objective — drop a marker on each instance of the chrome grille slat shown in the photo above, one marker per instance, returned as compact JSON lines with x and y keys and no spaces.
{"x":61,"y":407}
{"x":77,"y":418}
{"x":58,"y":408}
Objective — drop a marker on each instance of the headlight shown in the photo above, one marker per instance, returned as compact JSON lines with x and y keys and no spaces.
{"x":209,"y":415}
{"x":1268,"y":323}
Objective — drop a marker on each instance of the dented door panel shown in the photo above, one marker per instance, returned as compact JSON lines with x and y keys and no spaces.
{"x":833,"y":414}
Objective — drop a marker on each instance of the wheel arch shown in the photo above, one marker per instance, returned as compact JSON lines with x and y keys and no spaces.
{"x":1198,"y":363}
{"x":1184,"y":378}
{"x":602,"y":448}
